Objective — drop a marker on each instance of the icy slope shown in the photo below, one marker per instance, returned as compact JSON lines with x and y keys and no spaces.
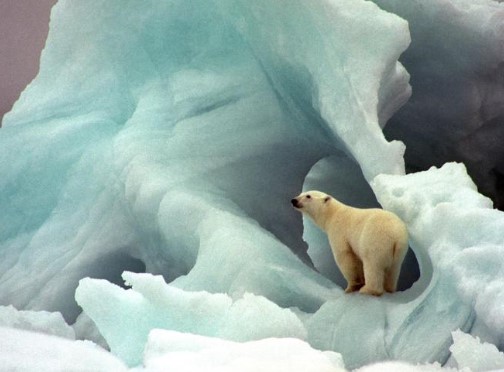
{"x":168,"y":137}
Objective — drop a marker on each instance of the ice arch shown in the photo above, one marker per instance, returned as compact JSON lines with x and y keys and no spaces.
{"x":341,"y":177}
{"x":195,"y":122}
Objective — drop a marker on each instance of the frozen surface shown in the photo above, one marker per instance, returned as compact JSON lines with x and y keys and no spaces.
{"x":169,"y":351}
{"x":168,"y":138}
{"x":405,"y":367}
{"x":24,"y":351}
{"x":470,"y":352}
{"x":37,"y":321}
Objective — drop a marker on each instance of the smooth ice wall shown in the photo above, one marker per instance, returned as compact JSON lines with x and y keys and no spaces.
{"x":138,"y":139}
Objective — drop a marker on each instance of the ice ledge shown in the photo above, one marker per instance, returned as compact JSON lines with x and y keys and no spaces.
{"x":456,"y":235}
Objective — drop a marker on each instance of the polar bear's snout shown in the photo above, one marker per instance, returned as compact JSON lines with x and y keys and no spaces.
{"x":296,"y":203}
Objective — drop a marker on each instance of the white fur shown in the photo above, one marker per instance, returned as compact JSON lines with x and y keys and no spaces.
{"x":368,"y":245}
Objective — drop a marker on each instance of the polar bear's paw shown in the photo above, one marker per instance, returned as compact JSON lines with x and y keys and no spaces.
{"x":371,"y":291}
{"x":354,"y":287}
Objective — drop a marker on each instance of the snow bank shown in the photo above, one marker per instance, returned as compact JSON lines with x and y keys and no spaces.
{"x":453,"y":225}
{"x":470,"y":353}
{"x":125,"y":317}
{"x":173,"y":351}
{"x":36,"y":321}
{"x":25,"y":351}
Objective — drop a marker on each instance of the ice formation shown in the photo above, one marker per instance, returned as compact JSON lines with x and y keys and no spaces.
{"x":162,"y":306}
{"x":160,"y":145}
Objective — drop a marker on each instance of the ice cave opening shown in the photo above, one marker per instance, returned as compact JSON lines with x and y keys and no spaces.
{"x":108,"y":267}
{"x":341,"y":177}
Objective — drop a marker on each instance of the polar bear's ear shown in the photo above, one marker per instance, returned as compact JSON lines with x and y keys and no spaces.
{"x":327,"y":198}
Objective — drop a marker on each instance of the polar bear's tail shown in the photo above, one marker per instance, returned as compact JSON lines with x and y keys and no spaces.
{"x":397,"y":253}
{"x":400,"y":236}
{"x":400,"y":248}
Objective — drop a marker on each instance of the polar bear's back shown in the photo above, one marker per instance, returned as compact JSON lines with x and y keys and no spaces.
{"x":377,"y":233}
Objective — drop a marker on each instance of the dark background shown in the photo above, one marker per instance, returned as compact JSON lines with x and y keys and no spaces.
{"x":23,"y":30}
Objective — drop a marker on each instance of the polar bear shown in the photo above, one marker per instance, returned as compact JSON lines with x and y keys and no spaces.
{"x":368,"y":245}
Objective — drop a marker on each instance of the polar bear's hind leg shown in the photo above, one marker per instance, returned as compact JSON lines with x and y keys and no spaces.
{"x":392,"y":274}
{"x":374,"y":279}
{"x":391,"y":277}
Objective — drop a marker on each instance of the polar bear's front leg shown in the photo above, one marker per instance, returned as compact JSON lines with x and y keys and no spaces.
{"x":351,"y":267}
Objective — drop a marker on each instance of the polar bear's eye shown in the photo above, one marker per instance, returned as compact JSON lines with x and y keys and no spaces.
{"x":308,"y":196}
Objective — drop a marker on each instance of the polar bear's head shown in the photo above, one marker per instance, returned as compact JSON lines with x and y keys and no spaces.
{"x":313,"y":203}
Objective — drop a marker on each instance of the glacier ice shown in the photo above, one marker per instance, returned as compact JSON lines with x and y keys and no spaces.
{"x":161,"y":143}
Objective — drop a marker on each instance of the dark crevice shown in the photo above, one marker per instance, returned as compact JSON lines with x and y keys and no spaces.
{"x":110,"y":268}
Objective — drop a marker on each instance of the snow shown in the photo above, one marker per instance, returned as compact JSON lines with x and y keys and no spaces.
{"x":183,"y":352}
{"x":147,"y":173}
{"x":25,"y":351}
{"x":470,"y":353}
{"x":37,"y":321}
{"x":462,"y":234}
